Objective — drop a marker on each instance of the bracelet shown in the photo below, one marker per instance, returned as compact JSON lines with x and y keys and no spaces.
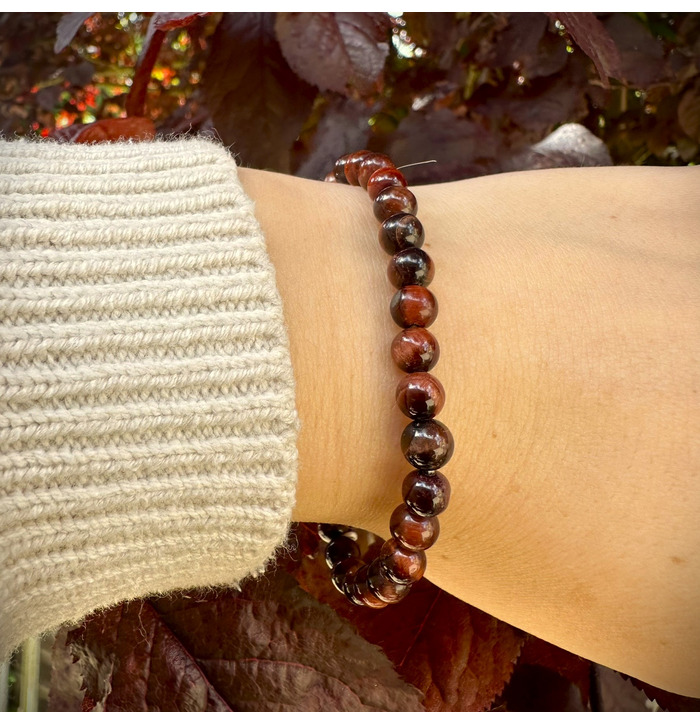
{"x":426,"y":443}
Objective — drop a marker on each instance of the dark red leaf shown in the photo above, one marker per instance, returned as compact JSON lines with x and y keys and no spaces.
{"x":257,"y":102}
{"x":641,"y":54}
{"x":165,"y":22}
{"x":335,"y":51}
{"x":689,"y":113}
{"x":270,"y":647}
{"x":594,"y":40}
{"x":668,"y":700}
{"x":113,"y":129}
{"x":67,"y":27}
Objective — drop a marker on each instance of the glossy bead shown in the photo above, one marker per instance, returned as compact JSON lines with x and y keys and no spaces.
{"x":352,"y":166}
{"x":426,"y":494}
{"x":328,"y":532}
{"x":394,"y":200}
{"x":401,"y":231}
{"x":427,"y":444}
{"x":402,"y":565}
{"x":414,"y":305}
{"x":339,"y":549}
{"x":420,"y":395}
{"x":384,"y":179}
{"x":383,"y":586}
{"x":411,"y":266}
{"x":339,"y":169}
{"x":370,"y":164}
{"x":330,"y":176}
{"x":411,"y":531}
{"x":415,"y":350}
{"x":342,"y":571}
{"x":362,"y":592}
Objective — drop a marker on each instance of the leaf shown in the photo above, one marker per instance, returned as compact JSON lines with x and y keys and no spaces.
{"x":113,"y":129}
{"x":67,"y":27}
{"x":335,"y":51}
{"x":457,"y":655}
{"x":667,"y":700}
{"x":269,"y":647}
{"x":257,"y":102}
{"x":641,"y":54}
{"x":65,"y":694}
{"x":167,"y":21}
{"x":594,"y":40}
{"x":689,"y":113}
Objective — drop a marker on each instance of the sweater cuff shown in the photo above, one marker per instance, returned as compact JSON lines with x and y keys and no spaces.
{"x":147,"y":419}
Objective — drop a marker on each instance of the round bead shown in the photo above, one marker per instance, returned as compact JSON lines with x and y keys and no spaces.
{"x":411,"y":266}
{"x":339,"y":549}
{"x":339,"y":169}
{"x":401,"y":231}
{"x":402,"y":565}
{"x":427,"y":444}
{"x":414,"y":305}
{"x":385,"y":588}
{"x":394,"y":200}
{"x":343,"y":571}
{"x":411,"y":531}
{"x":415,"y":350}
{"x":330,"y":176}
{"x":420,"y":395}
{"x":352,"y":166}
{"x":328,"y":532}
{"x":384,"y":179}
{"x":363,"y":593}
{"x":426,"y":494}
{"x":370,"y":164}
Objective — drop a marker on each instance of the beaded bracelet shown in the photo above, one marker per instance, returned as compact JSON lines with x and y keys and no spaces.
{"x":426,"y":443}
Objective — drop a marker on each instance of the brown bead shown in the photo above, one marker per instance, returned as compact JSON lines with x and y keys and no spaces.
{"x":343,"y":571}
{"x":341,"y":548}
{"x":420,"y":395}
{"x":363,"y":594}
{"x":411,"y":531}
{"x":328,"y":532}
{"x":411,"y":266}
{"x":427,"y":444}
{"x":339,"y":169}
{"x":426,"y":494}
{"x":384,"y":179}
{"x":402,"y":565}
{"x":401,"y":231}
{"x":385,"y":588}
{"x":330,"y":176}
{"x":352,"y":166}
{"x":394,"y":200}
{"x":414,"y":305}
{"x":370,"y":164}
{"x":415,"y":350}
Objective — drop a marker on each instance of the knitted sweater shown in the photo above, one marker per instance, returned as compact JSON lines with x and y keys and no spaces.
{"x":147,"y":418}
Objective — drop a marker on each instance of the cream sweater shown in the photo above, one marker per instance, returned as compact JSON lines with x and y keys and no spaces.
{"x":147,"y":418}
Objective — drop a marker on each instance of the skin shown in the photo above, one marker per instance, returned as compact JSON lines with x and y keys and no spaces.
{"x":569,"y":328}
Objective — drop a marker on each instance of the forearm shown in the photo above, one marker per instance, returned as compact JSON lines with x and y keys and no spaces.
{"x":569,"y":310}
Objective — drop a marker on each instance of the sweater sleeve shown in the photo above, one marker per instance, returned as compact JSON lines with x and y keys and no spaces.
{"x":147,"y":416}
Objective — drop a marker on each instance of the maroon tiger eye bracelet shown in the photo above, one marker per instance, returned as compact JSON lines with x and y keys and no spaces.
{"x":426,"y":443}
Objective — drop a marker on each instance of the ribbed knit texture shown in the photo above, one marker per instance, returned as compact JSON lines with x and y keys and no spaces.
{"x":147,"y":416}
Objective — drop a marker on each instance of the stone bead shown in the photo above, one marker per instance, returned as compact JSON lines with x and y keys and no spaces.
{"x":420,"y":395}
{"x":411,"y":531}
{"x":339,"y":549}
{"x":384,"y":179}
{"x":384,"y":587}
{"x":343,"y":571}
{"x":402,"y":565}
{"x":370,"y":164}
{"x":339,"y":169}
{"x":426,"y":494}
{"x":394,"y":200}
{"x":414,"y":305}
{"x":362,"y":593}
{"x":399,"y":232}
{"x":427,"y":444}
{"x":411,"y":266}
{"x":328,"y":532}
{"x":352,"y":166}
{"x":415,"y":350}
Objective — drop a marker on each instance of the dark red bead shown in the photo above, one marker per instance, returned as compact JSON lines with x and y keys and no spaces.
{"x":426,"y":494}
{"x":411,"y":531}
{"x":352,"y":166}
{"x":341,"y":548}
{"x":427,"y":444}
{"x":415,"y":350}
{"x":328,"y":532}
{"x":330,"y":176}
{"x":343,"y":571}
{"x":384,"y":179}
{"x":363,"y":593}
{"x":384,"y":587}
{"x":411,"y":266}
{"x":414,"y":305}
{"x":402,"y":565}
{"x":370,"y":164}
{"x":339,"y":169}
{"x":394,"y":200}
{"x":420,"y":395}
{"x":401,"y":231}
